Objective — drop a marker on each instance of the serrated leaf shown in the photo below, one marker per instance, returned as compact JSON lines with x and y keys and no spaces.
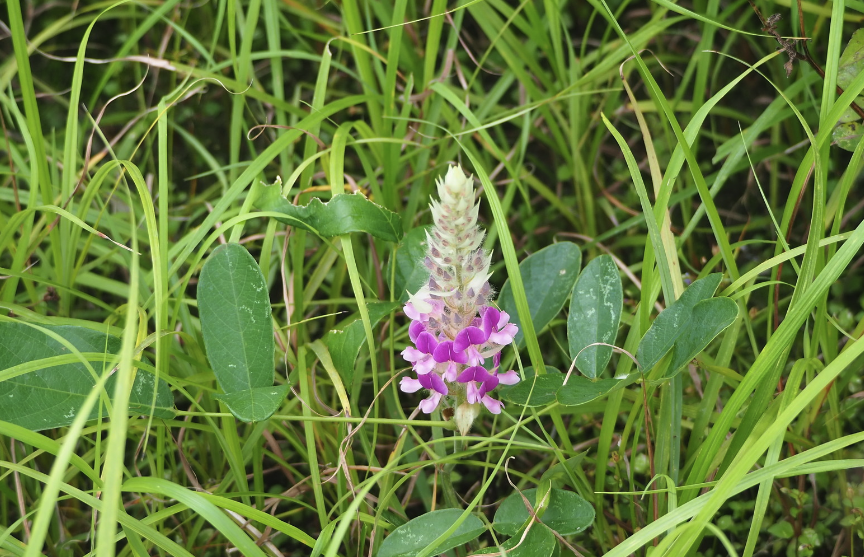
{"x":567,"y":513}
{"x":580,"y":390}
{"x":234,"y":307}
{"x":544,"y":388}
{"x":51,"y":397}
{"x":709,"y":319}
{"x":539,"y":542}
{"x":410,"y":273}
{"x":595,"y":312}
{"x":343,"y":214}
{"x":255,"y":405}
{"x":407,"y":540}
{"x":548,"y":276}
{"x":672,"y":322}
{"x":344,"y":344}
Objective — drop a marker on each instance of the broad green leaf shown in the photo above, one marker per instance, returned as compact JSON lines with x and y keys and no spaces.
{"x":539,"y":542}
{"x":255,"y":405}
{"x":408,"y":539}
{"x":411,"y":274}
{"x":343,"y":214}
{"x":580,"y":390}
{"x":782,"y":529}
{"x":567,"y":513}
{"x":344,"y":344}
{"x":851,"y":64}
{"x":673,"y":321}
{"x":595,"y":311}
{"x":548,"y":276}
{"x":544,"y":391}
{"x":50,"y":397}
{"x":709,"y":319}
{"x":234,"y":306}
{"x":846,"y":136}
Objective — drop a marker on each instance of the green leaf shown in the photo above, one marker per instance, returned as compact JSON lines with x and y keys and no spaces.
{"x":234,"y":306}
{"x":567,"y":513}
{"x":344,"y":345}
{"x":595,"y":311}
{"x":540,"y":542}
{"x":255,"y":405}
{"x":709,"y":319}
{"x":343,"y":214}
{"x":408,"y":539}
{"x":580,"y":390}
{"x":782,"y":529}
{"x":851,"y":64}
{"x":548,"y":276}
{"x":673,"y":321}
{"x":51,"y":397}
{"x":846,"y":136}
{"x":544,"y":391}
{"x":558,"y":473}
{"x":411,"y":274}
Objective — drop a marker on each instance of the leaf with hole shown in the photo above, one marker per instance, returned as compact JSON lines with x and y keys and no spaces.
{"x":673,"y":321}
{"x":541,"y":392}
{"x":234,"y":307}
{"x":567,"y":513}
{"x":343,"y":214}
{"x":50,"y":396}
{"x":548,"y":276}
{"x":595,"y":311}
{"x":344,"y":344}
{"x":407,"y":540}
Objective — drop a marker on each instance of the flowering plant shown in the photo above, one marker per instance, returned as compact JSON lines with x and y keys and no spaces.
{"x":454,"y":329}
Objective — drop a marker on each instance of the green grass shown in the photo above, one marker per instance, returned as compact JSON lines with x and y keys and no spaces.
{"x":135,"y":135}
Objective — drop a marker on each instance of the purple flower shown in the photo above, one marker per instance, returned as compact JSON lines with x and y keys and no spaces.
{"x":480,"y":382}
{"x":494,"y":326}
{"x":421,"y":357}
{"x":430,"y":381}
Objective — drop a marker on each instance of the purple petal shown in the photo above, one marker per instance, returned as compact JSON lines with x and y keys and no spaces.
{"x":438,"y":383}
{"x":496,"y":361}
{"x":490,"y":383}
{"x":509,"y":378}
{"x":491,"y":404}
{"x":470,"y":374}
{"x":425,"y":380}
{"x":443,"y":351}
{"x":426,"y":343}
{"x":408,"y":385}
{"x":468,"y":336}
{"x":490,"y":320}
{"x":428,"y":405}
{"x":415,"y":329}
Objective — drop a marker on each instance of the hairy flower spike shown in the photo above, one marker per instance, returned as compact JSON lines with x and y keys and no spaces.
{"x":454,"y":329}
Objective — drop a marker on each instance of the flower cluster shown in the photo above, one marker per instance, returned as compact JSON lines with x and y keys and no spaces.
{"x":454,"y":328}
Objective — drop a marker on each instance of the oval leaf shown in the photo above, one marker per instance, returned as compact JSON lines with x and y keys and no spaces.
{"x":408,"y":539}
{"x":343,"y":214}
{"x":673,"y":321}
{"x":51,"y":397}
{"x":567,"y":513}
{"x":410,"y":273}
{"x":595,"y":311}
{"x":344,"y":344}
{"x":234,"y":306}
{"x":580,"y":390}
{"x":709,"y":319}
{"x":544,"y":388}
{"x":548,"y":276}
{"x":539,"y":542}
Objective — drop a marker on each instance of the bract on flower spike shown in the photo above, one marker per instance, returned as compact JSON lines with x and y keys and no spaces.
{"x":454,"y":330}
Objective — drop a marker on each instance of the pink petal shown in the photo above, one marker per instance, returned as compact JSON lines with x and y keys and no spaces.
{"x":503,"y":319}
{"x":428,"y":405}
{"x":424,"y":365}
{"x":426,"y":343}
{"x":412,"y":313}
{"x":411,"y":354}
{"x":468,"y":336}
{"x":509,"y":378}
{"x":505,"y":336}
{"x":473,"y":395}
{"x":409,"y":385}
{"x":491,"y":404}
{"x":415,"y":329}
{"x":450,"y":374}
